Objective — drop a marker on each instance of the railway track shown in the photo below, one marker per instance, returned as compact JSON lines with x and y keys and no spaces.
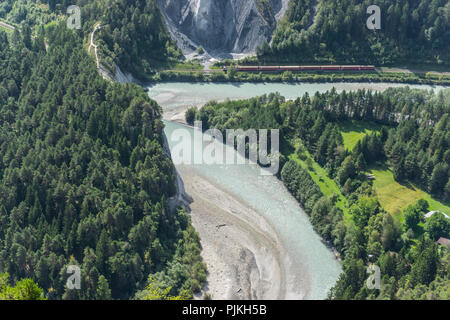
{"x":280,"y":69}
{"x":302,"y":68}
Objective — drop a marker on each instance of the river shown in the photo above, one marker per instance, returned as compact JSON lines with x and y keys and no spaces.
{"x":310,"y":267}
{"x":180,"y":94}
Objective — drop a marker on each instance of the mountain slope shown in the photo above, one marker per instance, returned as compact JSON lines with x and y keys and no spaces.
{"x":225,"y":26}
{"x":84,"y":178}
{"x":412,"y":31}
{"x":134,"y":37}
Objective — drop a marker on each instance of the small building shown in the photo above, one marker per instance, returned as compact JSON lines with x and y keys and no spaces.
{"x":443,"y":241}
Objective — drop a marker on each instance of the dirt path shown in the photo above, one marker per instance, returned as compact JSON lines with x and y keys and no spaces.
{"x":7,"y":26}
{"x":93,"y":45}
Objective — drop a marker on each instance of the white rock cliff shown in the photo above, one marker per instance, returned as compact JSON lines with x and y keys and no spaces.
{"x":221,"y":27}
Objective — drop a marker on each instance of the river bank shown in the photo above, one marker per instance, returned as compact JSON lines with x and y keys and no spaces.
{"x":214,"y":75}
{"x":309,"y":268}
{"x":177,"y":97}
{"x":242,"y":252}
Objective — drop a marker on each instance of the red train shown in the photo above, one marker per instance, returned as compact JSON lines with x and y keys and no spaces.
{"x":300,"y":68}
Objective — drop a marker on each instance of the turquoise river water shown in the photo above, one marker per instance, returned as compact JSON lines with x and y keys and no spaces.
{"x":266,"y":194}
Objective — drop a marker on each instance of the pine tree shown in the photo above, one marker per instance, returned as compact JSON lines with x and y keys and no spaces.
{"x":103,"y":291}
{"x":102,"y":254}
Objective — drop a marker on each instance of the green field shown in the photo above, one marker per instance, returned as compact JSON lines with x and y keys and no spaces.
{"x":177,"y":65}
{"x":326,"y":185}
{"x":395,"y":197}
{"x":353,"y":131}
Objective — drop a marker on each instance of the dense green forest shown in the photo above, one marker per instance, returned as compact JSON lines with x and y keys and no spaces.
{"x":135,"y":37}
{"x":412,"y":31}
{"x":84,"y":178}
{"x":414,"y":141}
{"x":133,"y":34}
{"x":28,"y":12}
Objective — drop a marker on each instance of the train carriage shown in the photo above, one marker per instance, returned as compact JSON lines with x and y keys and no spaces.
{"x":248,"y":68}
{"x":310,"y":68}
{"x":368,"y":68}
{"x":292,"y":68}
{"x":330,"y":68}
{"x":269,"y":68}
{"x":351,"y":68}
{"x":301,"y":68}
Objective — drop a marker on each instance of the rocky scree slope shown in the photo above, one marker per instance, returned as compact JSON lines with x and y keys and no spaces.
{"x":221,"y":27}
